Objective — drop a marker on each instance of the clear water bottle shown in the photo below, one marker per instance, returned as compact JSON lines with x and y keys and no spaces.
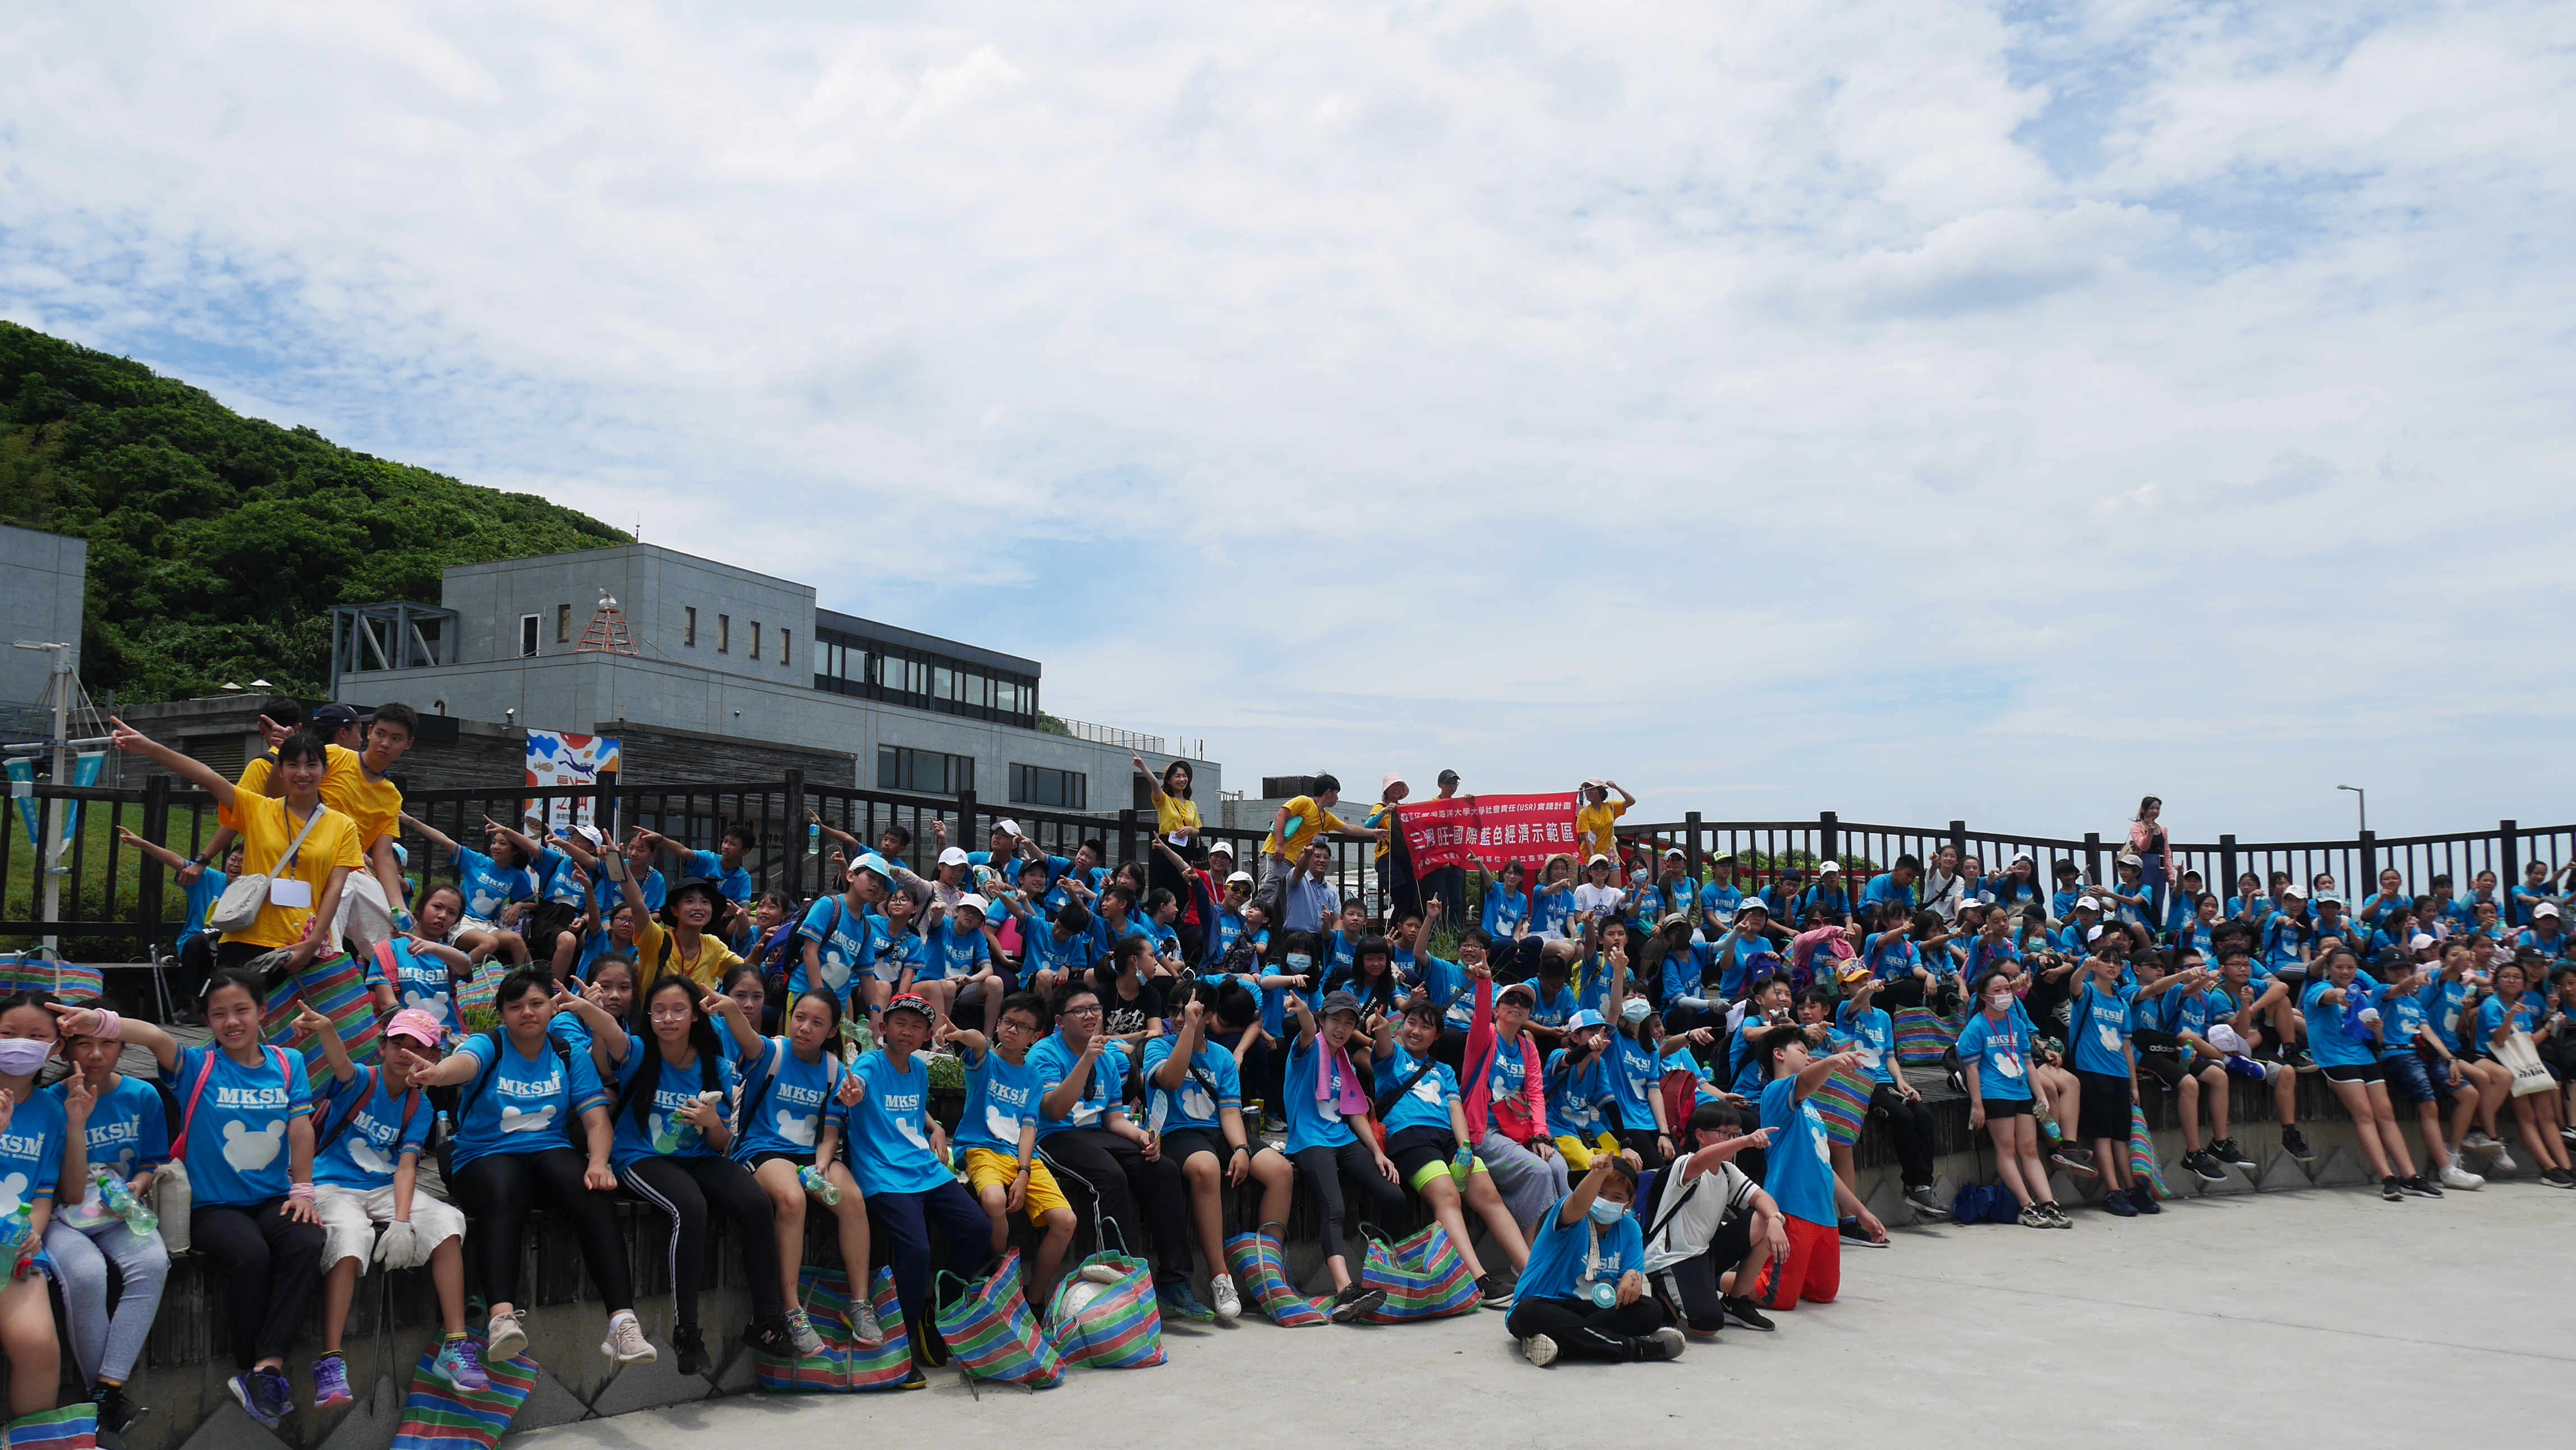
{"x":813,"y":838}
{"x":120,"y":1200}
{"x":819,"y":1186}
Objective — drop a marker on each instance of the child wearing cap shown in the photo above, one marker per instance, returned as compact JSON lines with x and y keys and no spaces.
{"x":374,"y":1124}
{"x":1581,"y":1105}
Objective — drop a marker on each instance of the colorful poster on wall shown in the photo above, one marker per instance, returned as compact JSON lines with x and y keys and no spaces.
{"x":558,"y":761}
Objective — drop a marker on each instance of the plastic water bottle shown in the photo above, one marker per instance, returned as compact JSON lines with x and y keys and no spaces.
{"x":678,"y":1132}
{"x":819,"y":1186}
{"x":813,"y":838}
{"x":13,"y":1232}
{"x":120,"y":1200}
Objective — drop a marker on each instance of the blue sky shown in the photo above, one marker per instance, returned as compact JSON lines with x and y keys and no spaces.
{"x":1918,"y":410}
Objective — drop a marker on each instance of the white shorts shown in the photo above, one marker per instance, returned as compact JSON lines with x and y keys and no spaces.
{"x":350,"y":1216}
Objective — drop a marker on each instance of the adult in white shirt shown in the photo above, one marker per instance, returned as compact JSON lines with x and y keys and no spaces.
{"x":1711,"y":1231}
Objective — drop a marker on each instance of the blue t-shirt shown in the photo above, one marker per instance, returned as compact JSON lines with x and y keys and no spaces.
{"x":1717,"y":903}
{"x":1744,"y":1056}
{"x":1890,"y":955}
{"x":954,"y":951}
{"x":1054,"y":1060}
{"x":841,"y":938}
{"x":236,"y":1148}
{"x":1505,"y":910}
{"x":489,"y":887}
{"x":1798,"y":1171}
{"x":2526,"y":1017}
{"x":1310,"y":1124}
{"x":2283,"y":937}
{"x":557,"y":881}
{"x":1562,"y":1259}
{"x":128,"y":1130}
{"x":1189,"y":1105}
{"x":1578,"y":1098}
{"x":1730,"y":982}
{"x":31,"y":1153}
{"x":1427,"y":1105}
{"x":2000,"y":1052}
{"x":1873,"y":1035}
{"x":363,"y":1117}
{"x":788,"y":1118}
{"x":1550,"y":1011}
{"x":2192,"y":1012}
{"x":673,"y":1087}
{"x":2099,"y":1030}
{"x":1550,"y":909}
{"x":423,"y":982}
{"x":1001,"y":1097}
{"x":735,"y":884}
{"x":1451,"y":990}
{"x":888,"y":1130}
{"x":2403,"y":1016}
{"x":1686,"y":970}
{"x":203,"y":893}
{"x":1883,"y":887}
{"x":1041,"y":949}
{"x":2447,"y":1002}
{"x":1635,"y":1073}
{"x":521,"y":1105}
{"x":2333,"y":1039}
{"x":1679,"y":1059}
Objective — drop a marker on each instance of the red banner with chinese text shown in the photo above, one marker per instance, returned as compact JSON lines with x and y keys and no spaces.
{"x":1498,"y":828}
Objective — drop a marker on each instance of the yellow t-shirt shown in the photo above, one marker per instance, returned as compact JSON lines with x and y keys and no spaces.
{"x":374,"y":807}
{"x":1592,"y":823}
{"x":653,"y":940}
{"x":1307,"y":824}
{"x":1382,"y":814}
{"x":267,"y":829}
{"x":1173,"y":813}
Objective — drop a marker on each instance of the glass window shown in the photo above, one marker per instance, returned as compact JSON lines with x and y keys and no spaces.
{"x":724,"y":634}
{"x":755,"y":639}
{"x":782,"y":647}
{"x":527,"y":634}
{"x":1036,"y":785}
{"x":563,"y":624}
{"x":689,"y":632}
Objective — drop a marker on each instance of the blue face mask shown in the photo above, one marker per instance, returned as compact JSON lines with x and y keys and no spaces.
{"x":1606,"y":1213}
{"x":1299,"y":961}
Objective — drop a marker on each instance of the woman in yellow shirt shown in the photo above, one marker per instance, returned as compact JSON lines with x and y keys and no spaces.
{"x":1176,"y":820}
{"x":683,"y":945}
{"x":302,"y":889}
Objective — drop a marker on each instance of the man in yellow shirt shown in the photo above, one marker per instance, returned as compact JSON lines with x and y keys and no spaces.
{"x":1301,"y":823}
{"x":1595,"y":815}
{"x":361,"y":754}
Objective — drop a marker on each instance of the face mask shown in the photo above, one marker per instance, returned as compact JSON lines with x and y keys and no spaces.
{"x":1636,"y":1010}
{"x":1606,"y":1213}
{"x":21,"y":1056}
{"x":1299,"y":961}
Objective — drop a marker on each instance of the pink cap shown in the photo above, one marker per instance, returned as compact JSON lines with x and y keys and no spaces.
{"x":417,"y":1025}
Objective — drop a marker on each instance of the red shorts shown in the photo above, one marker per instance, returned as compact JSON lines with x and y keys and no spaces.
{"x":1814,"y":1271}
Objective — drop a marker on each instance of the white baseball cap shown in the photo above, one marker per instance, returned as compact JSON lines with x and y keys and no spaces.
{"x":1830,"y":867}
{"x":2298,"y":891}
{"x":1007,"y":828}
{"x":953,"y":856}
{"x":2546,"y":908}
{"x":978,"y":904}
{"x":1243,"y":876}
{"x":2418,"y":942}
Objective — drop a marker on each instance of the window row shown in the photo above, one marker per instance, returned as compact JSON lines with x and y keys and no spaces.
{"x":876,"y":670}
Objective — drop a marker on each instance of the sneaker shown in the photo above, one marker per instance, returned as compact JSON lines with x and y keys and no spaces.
{"x":2295,"y":1143}
{"x":2479,"y":1142}
{"x":625,"y":1343}
{"x":1858,"y":1237}
{"x":2073,"y":1160}
{"x":2144,"y":1198}
{"x":2502,"y":1162}
{"x":2233,"y":1154}
{"x":1925,"y":1203}
{"x":865,"y":1331}
{"x":1665,"y":1343}
{"x":2032,"y":1216}
{"x":1229,"y":1304}
{"x":2392,"y":1190}
{"x":928,"y":1345}
{"x":263,"y":1394}
{"x":2415,"y":1183}
{"x":2056,"y":1216}
{"x":2559,"y":1178}
{"x":1356,"y":1301}
{"x":2568,"y":1134}
{"x":2296,"y":1059}
{"x":2204,"y":1165}
{"x":116,"y":1413}
{"x":503,"y":1338}
{"x":1539,"y":1350}
{"x":1748,"y":1314}
{"x":774,"y":1336}
{"x":800,"y":1332}
{"x":914,"y":1379}
{"x":2117,"y":1201}
{"x":1496,"y":1291}
{"x":689,"y":1349}
{"x":2456,"y":1177}
{"x":1177,"y":1302}
{"x":331,"y":1382}
{"x":460,"y":1363}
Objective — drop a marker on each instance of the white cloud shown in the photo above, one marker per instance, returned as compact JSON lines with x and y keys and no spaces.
{"x":1922,"y":410}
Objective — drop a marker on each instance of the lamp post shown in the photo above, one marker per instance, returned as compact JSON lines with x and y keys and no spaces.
{"x":2360,"y":804}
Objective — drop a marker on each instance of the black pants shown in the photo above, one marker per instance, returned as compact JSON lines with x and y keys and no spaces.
{"x":1257,"y":1073}
{"x":1909,"y":1126}
{"x":684,"y":1189}
{"x":1641,"y":1141}
{"x":1120,"y":1181}
{"x":1693,"y":1284}
{"x":900,"y":1228}
{"x":497,"y":1190}
{"x":234,"y":955}
{"x":1449,"y":883}
{"x":270,"y":1266}
{"x":1331,"y":1170}
{"x":1397,"y":891}
{"x":196,"y":965}
{"x":1586,"y":1331}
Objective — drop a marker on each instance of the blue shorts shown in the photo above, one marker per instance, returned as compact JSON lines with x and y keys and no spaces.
{"x":2417,"y":1079}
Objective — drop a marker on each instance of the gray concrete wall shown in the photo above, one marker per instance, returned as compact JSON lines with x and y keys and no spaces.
{"x":655,"y":588}
{"x":41,"y":581}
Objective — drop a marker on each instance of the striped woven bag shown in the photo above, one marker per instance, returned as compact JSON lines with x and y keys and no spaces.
{"x":992,"y":1334}
{"x":1922,"y":1035}
{"x":1260,"y":1269}
{"x":1842,"y":1100}
{"x":73,"y":1427}
{"x":1118,"y":1327}
{"x":337,"y":989}
{"x":439,"y":1416}
{"x":1423,"y":1276}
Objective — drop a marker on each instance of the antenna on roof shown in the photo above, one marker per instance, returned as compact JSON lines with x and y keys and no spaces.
{"x":608,"y":633}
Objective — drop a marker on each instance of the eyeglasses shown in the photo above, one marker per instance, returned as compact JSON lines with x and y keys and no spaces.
{"x":670,"y":1014}
{"x":1091,"y":1011}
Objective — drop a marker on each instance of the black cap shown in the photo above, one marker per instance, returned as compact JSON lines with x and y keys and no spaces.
{"x":699,"y":883}
{"x":332,"y":718}
{"x":1448,"y":777}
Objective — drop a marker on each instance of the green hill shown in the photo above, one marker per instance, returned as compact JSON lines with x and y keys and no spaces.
{"x":219,"y":543}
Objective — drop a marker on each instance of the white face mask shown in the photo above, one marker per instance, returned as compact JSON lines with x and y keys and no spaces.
{"x":21,"y":1056}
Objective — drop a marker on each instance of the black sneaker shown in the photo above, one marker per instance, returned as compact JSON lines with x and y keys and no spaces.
{"x":116,"y":1413}
{"x":2145,"y":1199}
{"x":1355,"y":1301}
{"x":1748,"y":1314}
{"x":1664,"y":1344}
{"x":2073,"y":1160}
{"x":1925,"y":1202}
{"x":689,"y":1348}
{"x":2418,"y":1185}
{"x":2296,"y":1059}
{"x":2295,"y":1143}
{"x":927,"y":1345}
{"x":2559,"y":1178}
{"x":1495,"y":1291}
{"x":1858,"y":1237}
{"x":772,"y":1336}
{"x":2392,"y":1190}
{"x":2233,"y":1154}
{"x":2205,"y":1166}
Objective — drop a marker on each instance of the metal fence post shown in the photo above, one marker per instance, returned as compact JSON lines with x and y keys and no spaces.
{"x":147,"y":890}
{"x":1828,"y":837}
{"x":1959,"y":838}
{"x":966,"y":829}
{"x":792,"y":832}
{"x":2369,"y":843}
{"x":2226,"y":868}
{"x":2508,"y":868}
{"x":1126,"y":835}
{"x":2093,"y":858}
{"x":1690,"y":846}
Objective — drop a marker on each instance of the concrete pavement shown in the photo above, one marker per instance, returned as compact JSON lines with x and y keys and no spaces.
{"x":2321,"y":1317}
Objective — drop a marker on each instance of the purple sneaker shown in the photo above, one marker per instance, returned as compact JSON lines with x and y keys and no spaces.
{"x":461,"y":1361}
{"x":330,"y":1382}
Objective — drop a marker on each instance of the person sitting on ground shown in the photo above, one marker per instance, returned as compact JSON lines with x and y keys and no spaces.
{"x":1417,"y":1101}
{"x":1711,"y":1231}
{"x":1583,"y":1295}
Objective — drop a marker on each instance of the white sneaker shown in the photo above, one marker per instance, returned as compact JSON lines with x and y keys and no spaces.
{"x":1229,"y":1305}
{"x":2479,"y":1142}
{"x":1539,"y":1350}
{"x":2502,"y":1162}
{"x":2454,"y":1176}
{"x":626,"y":1343}
{"x":503,"y":1338}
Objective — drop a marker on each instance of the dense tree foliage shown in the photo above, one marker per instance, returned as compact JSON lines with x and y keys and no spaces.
{"x":219,"y":543}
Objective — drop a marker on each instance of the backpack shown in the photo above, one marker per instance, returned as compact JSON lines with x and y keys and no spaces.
{"x":357,"y":1100}
{"x":445,"y":1145}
